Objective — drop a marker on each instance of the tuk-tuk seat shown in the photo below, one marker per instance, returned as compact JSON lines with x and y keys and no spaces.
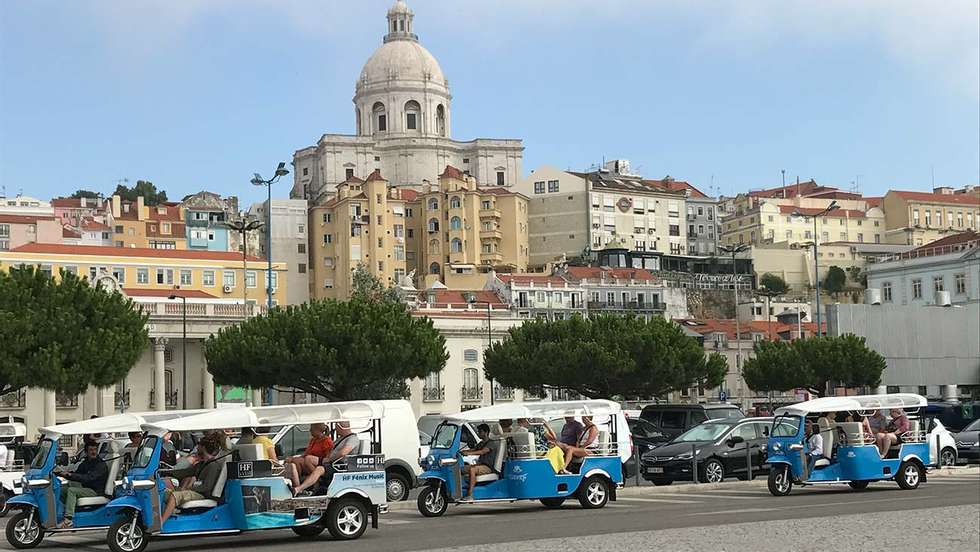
{"x":498,"y":463}
{"x":250,"y":452}
{"x":114,"y":465}
{"x":601,"y":447}
{"x":829,"y":434}
{"x":219,"y":488}
{"x":522,"y":445}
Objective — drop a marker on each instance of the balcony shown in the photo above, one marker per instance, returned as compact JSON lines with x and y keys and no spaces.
{"x":121,"y":399}
{"x":206,"y":310}
{"x":433,"y":394}
{"x":491,"y":258}
{"x":472,"y":394}
{"x":495,"y":234}
{"x":169,"y":399}
{"x":646,"y":306}
{"x":65,"y":401}
{"x":503,"y":393}
{"x":14,"y":399}
{"x":492,"y":212}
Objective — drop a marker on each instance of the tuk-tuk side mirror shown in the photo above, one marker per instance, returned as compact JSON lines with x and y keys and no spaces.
{"x":62,"y":459}
{"x":765,"y":431}
{"x":732,"y":441}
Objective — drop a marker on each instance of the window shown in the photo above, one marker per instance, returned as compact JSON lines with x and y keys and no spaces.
{"x":455,"y":202}
{"x":860,"y":237}
{"x":675,"y":230}
{"x":399,"y":252}
{"x":552,"y":186}
{"x":500,"y":178}
{"x":301,"y":229}
{"x":456,"y":246}
{"x":327,"y":218}
{"x":539,"y":187}
{"x":399,"y":230}
{"x":917,"y":289}
{"x":433,"y":204}
{"x":937,"y":284}
{"x":928,"y":218}
{"x":165,"y":276}
{"x":410,"y":233}
{"x":960,"y":283}
{"x":185,"y":277}
{"x":433,"y":225}
{"x":207,"y":278}
{"x":306,"y":171}
{"x":886,"y":292}
{"x":119,"y":273}
{"x":915,"y":217}
{"x":142,"y":276}
{"x":380,"y":117}
{"x":843,"y":236}
{"x":327,"y":239}
{"x":301,"y":248}
{"x":789,"y":234}
{"x":455,"y":223}
{"x":228,"y":278}
{"x":250,"y":279}
{"x":328,"y":283}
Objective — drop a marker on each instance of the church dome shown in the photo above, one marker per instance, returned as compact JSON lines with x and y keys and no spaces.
{"x":401,"y":59}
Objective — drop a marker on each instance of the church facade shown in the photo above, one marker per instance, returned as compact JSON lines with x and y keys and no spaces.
{"x":403,"y":123}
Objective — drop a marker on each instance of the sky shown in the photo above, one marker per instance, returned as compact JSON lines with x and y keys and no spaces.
{"x":199,"y":94}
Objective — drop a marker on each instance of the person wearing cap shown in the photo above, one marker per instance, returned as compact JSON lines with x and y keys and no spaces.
{"x":256,"y":436}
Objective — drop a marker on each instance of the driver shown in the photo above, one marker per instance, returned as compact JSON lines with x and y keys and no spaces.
{"x":486,"y":449}
{"x":814,"y":445}
{"x":88,"y":480}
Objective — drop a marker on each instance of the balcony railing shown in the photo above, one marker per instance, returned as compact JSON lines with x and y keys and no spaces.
{"x":14,"y":399}
{"x":121,"y":398}
{"x":169,"y":399}
{"x":472,"y":394}
{"x":490,"y":213}
{"x":65,"y":401}
{"x":232,"y":310}
{"x":491,"y":234}
{"x":629,"y":305}
{"x":433,"y":394}
{"x":494,"y":257}
{"x":503,"y":393}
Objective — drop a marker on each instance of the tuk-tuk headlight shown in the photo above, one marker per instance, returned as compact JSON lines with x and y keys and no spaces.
{"x":126,"y":484}
{"x":776,"y":447}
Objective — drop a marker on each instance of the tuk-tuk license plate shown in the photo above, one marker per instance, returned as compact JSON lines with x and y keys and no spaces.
{"x":655,"y":470}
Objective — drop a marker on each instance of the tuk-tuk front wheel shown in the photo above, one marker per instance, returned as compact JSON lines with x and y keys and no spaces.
{"x":594,"y":492}
{"x":909,"y":475}
{"x":780,"y":480}
{"x":347,"y":518}
{"x":127,"y":535}
{"x":24,"y":530}
{"x":432,"y":502}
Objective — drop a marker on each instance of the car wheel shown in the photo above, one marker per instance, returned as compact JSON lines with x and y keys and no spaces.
{"x":24,"y":530}
{"x":432,"y":502}
{"x":909,"y":475}
{"x":780,"y":482}
{"x":552,"y":503}
{"x":947,"y":458}
{"x":126,"y":535}
{"x":712,"y":472}
{"x":858,"y":485}
{"x":309,"y":531}
{"x":661,"y":482}
{"x":4,"y":509}
{"x":396,"y":486}
{"x":347,"y":518}
{"x":593,"y":492}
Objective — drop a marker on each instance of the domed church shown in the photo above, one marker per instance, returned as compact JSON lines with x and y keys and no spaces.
{"x":403,"y":124}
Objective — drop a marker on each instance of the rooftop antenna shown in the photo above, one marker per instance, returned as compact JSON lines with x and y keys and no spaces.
{"x":932,"y":169}
{"x":797,"y":186}
{"x":783,"y":171}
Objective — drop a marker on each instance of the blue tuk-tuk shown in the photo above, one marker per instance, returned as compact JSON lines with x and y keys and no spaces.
{"x":521,"y":470}
{"x":251,"y":493}
{"x":850,"y":454}
{"x":41,"y":510}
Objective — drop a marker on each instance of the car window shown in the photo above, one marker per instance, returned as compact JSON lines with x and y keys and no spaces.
{"x":651,"y":416}
{"x":672,"y":419}
{"x":643,"y":428}
{"x":698,"y":416}
{"x":974,"y":426}
{"x":722,"y":413}
{"x":704,"y":432}
{"x":444,"y":437}
{"x":745,"y":431}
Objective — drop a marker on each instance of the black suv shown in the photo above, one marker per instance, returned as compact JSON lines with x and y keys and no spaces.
{"x":674,"y":419}
{"x":719,"y":448}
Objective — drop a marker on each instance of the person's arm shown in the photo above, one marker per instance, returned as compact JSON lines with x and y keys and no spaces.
{"x":94,"y":473}
{"x":341,"y":452}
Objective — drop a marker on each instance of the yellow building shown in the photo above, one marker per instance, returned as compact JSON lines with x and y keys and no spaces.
{"x":216,"y":274}
{"x":453,"y":232}
{"x":918,"y":218}
{"x":138,"y":225}
{"x":773,"y":223}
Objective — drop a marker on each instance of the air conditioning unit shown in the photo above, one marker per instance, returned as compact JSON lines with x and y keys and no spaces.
{"x":943,"y":299}
{"x":872,"y":296}
{"x":226,"y":289}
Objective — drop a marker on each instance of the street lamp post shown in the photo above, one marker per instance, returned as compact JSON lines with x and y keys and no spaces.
{"x":243,"y":227}
{"x":473,"y":301}
{"x":816,"y":268}
{"x":183,"y":349}
{"x":257,"y":180}
{"x":735,"y":250}
{"x":768,"y":294}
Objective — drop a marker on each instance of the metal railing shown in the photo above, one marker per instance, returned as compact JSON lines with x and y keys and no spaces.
{"x":169,"y":399}
{"x":65,"y":401}
{"x":927,"y":252}
{"x":470,"y":394}
{"x":503,"y":393}
{"x":121,"y":398}
{"x":14,"y":399}
{"x":433,"y":394}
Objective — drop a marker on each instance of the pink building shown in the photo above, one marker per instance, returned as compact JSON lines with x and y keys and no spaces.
{"x":17,"y":230}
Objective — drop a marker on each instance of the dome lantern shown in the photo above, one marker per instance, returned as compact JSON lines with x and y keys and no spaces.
{"x":400,"y":23}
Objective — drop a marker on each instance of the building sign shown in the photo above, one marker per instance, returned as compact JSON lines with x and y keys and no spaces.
{"x":624,"y":204}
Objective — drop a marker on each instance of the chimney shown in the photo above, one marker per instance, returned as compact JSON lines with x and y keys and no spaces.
{"x":116,"y":206}
{"x":139,"y":208}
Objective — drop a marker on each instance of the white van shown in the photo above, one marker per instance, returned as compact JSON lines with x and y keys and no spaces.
{"x":399,"y":444}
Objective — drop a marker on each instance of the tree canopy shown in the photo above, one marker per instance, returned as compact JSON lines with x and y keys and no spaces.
{"x":774,"y":283}
{"x":65,"y":335}
{"x":813,"y":363}
{"x":143,"y":188}
{"x":603,"y":357}
{"x":835,"y":281}
{"x":341,"y":350}
{"x":87,"y":194}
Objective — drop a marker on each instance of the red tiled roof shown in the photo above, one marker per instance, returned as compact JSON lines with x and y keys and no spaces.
{"x":537,"y":279}
{"x":408,"y":194}
{"x":172,"y":212}
{"x":23,"y":219}
{"x":188,"y":293}
{"x":376,"y":175}
{"x":354,"y":180}
{"x":452,"y":172}
{"x":961,"y":199}
{"x":672,"y":185}
{"x":873,"y":201}
{"x":833,"y":193}
{"x":446,"y":297}
{"x":106,"y":251}
{"x":580,"y":273}
{"x":806,"y":211}
{"x":69,"y":233}
{"x":790,"y":190}
{"x":66,"y":202}
{"x":89,"y":224}
{"x":962,"y":237}
{"x":727,"y":326}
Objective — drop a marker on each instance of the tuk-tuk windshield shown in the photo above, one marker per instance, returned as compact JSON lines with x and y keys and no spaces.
{"x":785,"y":426}
{"x":145,"y":452}
{"x":42,"y":453}
{"x":444,"y":437}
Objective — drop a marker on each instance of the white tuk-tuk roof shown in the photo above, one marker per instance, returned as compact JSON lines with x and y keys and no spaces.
{"x":855,"y":403}
{"x":117,"y":423}
{"x":547,"y":410}
{"x":292,"y":414}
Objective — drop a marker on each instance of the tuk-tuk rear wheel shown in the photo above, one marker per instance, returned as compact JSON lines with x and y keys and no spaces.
{"x":120,"y":540}
{"x":594,"y":492}
{"x":780,"y":481}
{"x":347,"y":518}
{"x":24,"y":530}
{"x":909,"y":475}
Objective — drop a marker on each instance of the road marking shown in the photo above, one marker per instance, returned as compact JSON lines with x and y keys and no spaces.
{"x":394,"y":522}
{"x":723,"y":497}
{"x":820,"y":505}
{"x":661,"y":500}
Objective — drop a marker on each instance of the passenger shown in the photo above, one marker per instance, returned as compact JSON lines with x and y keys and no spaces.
{"x":169,"y":450}
{"x":571,"y":432}
{"x":319,"y":447}
{"x":347,"y":443}
{"x":877,"y":422}
{"x":523,"y":426}
{"x":586,"y":444}
{"x":486,"y":449}
{"x":540,"y":432}
{"x":255,"y":436}
{"x":197,"y":481}
{"x":895,"y":428}
{"x":814,"y":445}
{"x":506,"y":426}
{"x":87,"y":480}
{"x":135,"y":438}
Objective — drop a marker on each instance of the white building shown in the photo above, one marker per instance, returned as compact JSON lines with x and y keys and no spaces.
{"x":539,"y":295}
{"x":627,"y":291}
{"x":290,"y":243}
{"x":946,"y":271}
{"x":403,"y":126}
{"x":25,"y":205}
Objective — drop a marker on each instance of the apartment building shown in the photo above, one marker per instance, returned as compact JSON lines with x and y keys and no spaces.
{"x":72,"y":211}
{"x":138,"y":225}
{"x":944,"y":272}
{"x":17,"y":230}
{"x":773,"y":223}
{"x":25,"y":205}
{"x":918,"y":218}
{"x":213,"y":274}
{"x":205,"y":217}
{"x":538,"y":295}
{"x":703,"y":223}
{"x":626,"y":291}
{"x":290,"y":242}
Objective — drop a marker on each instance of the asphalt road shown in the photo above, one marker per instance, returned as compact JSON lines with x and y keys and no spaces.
{"x":943,"y":513}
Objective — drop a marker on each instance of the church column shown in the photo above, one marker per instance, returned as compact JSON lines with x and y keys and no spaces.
{"x":50,"y":408}
{"x":207,"y":387}
{"x":159,"y":374}
{"x":256,"y":397}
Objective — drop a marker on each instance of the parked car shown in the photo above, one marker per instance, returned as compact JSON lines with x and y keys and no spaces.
{"x":968,"y":443}
{"x":646,"y":437}
{"x":955,"y":415}
{"x":674,"y":419}
{"x":718,"y":447}
{"x":942,"y":443}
